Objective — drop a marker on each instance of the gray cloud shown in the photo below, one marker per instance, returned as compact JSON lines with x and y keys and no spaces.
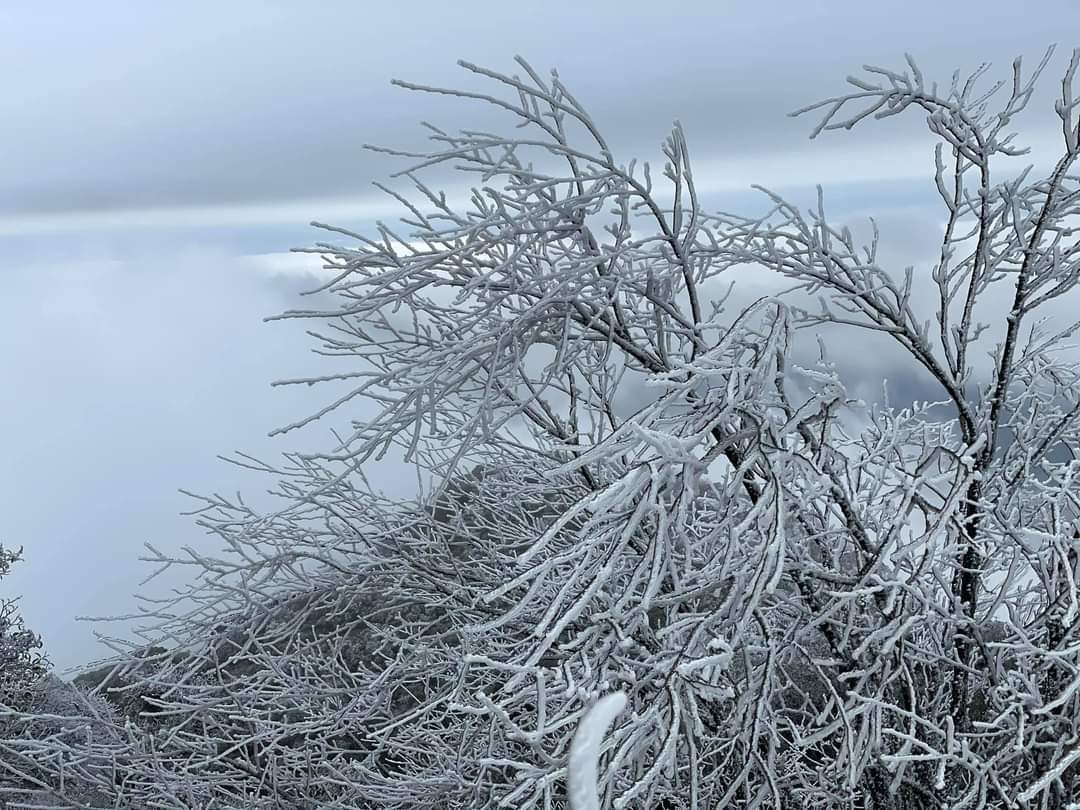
{"x":115,"y":108}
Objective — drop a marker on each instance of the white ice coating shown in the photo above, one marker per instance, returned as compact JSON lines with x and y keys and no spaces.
{"x":585,"y":751}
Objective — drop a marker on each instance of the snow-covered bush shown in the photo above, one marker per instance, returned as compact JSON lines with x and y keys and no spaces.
{"x":805,"y":601}
{"x":61,"y":714}
{"x":22,"y":664}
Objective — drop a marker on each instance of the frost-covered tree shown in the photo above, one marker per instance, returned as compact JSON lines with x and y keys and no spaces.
{"x":803,"y":600}
{"x":22,"y":664}
{"x":24,"y":669}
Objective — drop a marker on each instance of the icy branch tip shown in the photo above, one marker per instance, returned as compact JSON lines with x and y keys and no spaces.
{"x":585,"y":751}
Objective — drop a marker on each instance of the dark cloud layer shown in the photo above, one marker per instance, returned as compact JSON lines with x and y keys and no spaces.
{"x":120,"y":105}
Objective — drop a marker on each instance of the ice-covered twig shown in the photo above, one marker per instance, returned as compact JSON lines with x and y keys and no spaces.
{"x":585,"y":751}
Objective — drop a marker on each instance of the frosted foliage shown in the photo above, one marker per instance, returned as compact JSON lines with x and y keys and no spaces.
{"x":22,"y":666}
{"x":642,"y":490}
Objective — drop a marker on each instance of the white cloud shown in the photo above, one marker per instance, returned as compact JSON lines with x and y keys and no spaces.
{"x":285,"y":264}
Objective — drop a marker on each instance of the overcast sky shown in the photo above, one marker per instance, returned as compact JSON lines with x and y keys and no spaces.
{"x":160,"y":159}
